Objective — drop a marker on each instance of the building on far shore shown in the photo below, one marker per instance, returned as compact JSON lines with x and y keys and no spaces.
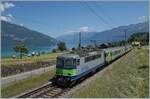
{"x":136,"y":43}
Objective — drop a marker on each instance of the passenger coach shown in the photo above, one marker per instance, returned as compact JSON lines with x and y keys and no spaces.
{"x":72,"y":67}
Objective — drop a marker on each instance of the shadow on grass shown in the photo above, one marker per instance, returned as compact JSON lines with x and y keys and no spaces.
{"x":143,"y":67}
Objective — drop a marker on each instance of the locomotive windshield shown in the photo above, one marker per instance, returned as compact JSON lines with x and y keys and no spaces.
{"x":59,"y":62}
{"x":69,"y":62}
{"x":66,"y":62}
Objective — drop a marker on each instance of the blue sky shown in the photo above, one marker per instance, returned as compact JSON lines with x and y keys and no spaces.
{"x":59,"y":18}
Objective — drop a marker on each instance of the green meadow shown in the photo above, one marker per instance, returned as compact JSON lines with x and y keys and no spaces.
{"x":126,"y":78}
{"x":11,"y":66}
{"x":24,"y":85}
{"x":25,"y":59}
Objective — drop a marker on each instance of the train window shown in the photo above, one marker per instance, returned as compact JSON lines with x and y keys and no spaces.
{"x":71,"y":62}
{"x":78,"y":62}
{"x":117,"y":51}
{"x":74,"y":61}
{"x":90,"y":58}
{"x":59,"y":61}
{"x":86,"y":59}
{"x":99,"y":56}
{"x":68,"y":62}
{"x":107,"y":54}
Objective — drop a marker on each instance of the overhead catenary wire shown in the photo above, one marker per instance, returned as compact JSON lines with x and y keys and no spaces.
{"x":102,"y":10}
{"x":101,"y":19}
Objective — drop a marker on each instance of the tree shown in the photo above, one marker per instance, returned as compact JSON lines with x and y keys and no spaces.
{"x":73,"y":49}
{"x":22,"y":49}
{"x":61,"y":46}
{"x":54,"y":50}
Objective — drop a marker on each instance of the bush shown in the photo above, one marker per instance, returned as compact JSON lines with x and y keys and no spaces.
{"x":54,"y":50}
{"x":61,"y":46}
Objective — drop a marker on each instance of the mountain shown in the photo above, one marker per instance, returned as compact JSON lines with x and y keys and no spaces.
{"x":12,"y":34}
{"x":114,"y":34}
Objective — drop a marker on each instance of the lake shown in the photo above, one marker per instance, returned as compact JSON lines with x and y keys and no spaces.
{"x":8,"y":52}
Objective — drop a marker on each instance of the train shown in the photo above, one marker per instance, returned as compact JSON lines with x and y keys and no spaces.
{"x":72,"y":67}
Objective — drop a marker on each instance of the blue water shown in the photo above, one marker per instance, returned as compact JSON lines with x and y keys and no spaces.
{"x":9,"y":52}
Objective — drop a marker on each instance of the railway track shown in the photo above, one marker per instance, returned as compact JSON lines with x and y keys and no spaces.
{"x":46,"y":91}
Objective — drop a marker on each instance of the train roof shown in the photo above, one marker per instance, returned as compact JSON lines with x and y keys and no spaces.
{"x":114,"y":48}
{"x":81,"y":54}
{"x":84,"y":53}
{"x":68,"y":55}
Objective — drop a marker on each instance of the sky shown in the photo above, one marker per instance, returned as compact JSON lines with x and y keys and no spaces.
{"x":56,"y":18}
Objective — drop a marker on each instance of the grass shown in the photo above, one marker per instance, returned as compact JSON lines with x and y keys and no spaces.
{"x":126,"y":78}
{"x":10,"y":61}
{"x":11,"y":66}
{"x":25,"y":84}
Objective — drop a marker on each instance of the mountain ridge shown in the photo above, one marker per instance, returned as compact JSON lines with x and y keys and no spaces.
{"x":13,"y":34}
{"x":114,"y":34}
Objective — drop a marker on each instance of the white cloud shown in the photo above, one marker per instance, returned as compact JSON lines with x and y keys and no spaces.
{"x":2,"y":7}
{"x":142,"y":18}
{"x":71,"y":31}
{"x":6,"y":5}
{"x":10,"y":15}
{"x":21,"y":25}
{"x":4,"y":18}
{"x":84,"y":29}
{"x":7,"y":17}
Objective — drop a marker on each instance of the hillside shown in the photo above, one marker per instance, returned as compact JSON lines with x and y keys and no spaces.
{"x":114,"y":34}
{"x":127,"y":77}
{"x":13,"y":34}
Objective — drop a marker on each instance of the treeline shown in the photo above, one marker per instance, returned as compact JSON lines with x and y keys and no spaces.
{"x":142,"y":37}
{"x":119,"y":43}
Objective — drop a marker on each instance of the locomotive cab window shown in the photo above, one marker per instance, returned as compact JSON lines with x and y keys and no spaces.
{"x":68,"y":62}
{"x":78,"y":62}
{"x":74,"y":61}
{"x":59,"y":61}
